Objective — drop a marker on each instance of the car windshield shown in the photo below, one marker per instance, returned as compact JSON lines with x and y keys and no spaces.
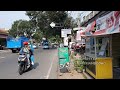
{"x":46,"y":44}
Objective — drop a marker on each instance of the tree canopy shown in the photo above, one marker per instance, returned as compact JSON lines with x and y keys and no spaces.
{"x":21,"y":27}
{"x":40,"y":23}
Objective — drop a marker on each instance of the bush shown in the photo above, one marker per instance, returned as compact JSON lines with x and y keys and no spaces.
{"x":79,"y":65}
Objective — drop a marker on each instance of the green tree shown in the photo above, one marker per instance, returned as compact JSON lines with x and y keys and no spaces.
{"x":21,"y":27}
{"x":38,"y":36}
{"x":42,"y":20}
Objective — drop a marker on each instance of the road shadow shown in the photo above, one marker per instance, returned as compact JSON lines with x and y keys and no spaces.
{"x":34,"y":67}
{"x":64,"y":70}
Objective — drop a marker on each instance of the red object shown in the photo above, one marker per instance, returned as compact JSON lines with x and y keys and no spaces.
{"x":92,"y":26}
{"x":25,"y":43}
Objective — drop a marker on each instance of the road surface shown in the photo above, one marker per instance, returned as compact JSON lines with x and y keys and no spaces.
{"x":46,"y":62}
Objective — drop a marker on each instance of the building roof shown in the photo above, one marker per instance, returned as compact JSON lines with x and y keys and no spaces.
{"x":3,"y":31}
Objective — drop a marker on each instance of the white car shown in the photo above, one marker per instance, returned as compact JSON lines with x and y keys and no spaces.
{"x":34,"y":46}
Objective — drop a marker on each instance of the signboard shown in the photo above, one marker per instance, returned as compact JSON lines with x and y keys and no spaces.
{"x":87,"y":31}
{"x":67,"y":31}
{"x":65,"y":41}
{"x":78,"y":36}
{"x":64,"y":32}
{"x":108,"y":24}
{"x":100,"y":26}
{"x":63,"y":55}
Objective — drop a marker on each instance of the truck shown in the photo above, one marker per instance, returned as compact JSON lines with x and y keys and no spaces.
{"x":15,"y":44}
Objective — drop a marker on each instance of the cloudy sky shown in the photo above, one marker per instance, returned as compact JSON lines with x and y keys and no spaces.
{"x":8,"y":17}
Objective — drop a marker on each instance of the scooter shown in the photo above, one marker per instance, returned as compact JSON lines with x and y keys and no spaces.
{"x":23,"y":63}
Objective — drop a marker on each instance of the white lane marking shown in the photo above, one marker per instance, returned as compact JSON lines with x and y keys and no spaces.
{"x":2,"y":57}
{"x":48,"y":74}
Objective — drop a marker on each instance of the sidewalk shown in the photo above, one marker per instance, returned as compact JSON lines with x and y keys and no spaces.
{"x":72,"y":74}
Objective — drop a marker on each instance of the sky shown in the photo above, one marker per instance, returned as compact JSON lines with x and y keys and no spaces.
{"x":7,"y":18}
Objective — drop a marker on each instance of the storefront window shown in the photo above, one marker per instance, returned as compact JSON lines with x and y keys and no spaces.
{"x":103,"y":46}
{"x":87,"y":50}
{"x":92,"y":44}
{"x":90,"y":47}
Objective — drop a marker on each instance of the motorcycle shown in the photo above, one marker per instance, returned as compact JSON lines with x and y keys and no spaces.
{"x":23,"y":63}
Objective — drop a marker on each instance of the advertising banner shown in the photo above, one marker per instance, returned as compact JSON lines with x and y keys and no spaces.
{"x":64,"y":32}
{"x":108,"y":24}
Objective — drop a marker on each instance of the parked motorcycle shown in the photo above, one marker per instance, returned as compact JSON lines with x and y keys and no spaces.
{"x":23,"y":63}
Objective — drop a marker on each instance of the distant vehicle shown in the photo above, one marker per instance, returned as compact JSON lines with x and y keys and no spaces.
{"x":15,"y":44}
{"x":71,"y":45}
{"x":61,"y":45}
{"x":79,"y":46}
{"x":54,"y":45}
{"x":45,"y":44}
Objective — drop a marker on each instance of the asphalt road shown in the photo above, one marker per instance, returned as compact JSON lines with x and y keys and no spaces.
{"x":46,"y":62}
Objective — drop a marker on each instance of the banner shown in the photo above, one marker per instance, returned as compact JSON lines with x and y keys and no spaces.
{"x":100,"y":26}
{"x":67,"y":31}
{"x":65,"y":41}
{"x":108,"y":24}
{"x":78,"y":36}
{"x":64,"y":32}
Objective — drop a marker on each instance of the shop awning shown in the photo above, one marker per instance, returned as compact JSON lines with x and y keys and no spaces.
{"x":82,"y":33}
{"x":3,"y":36}
{"x":92,"y":26}
{"x":108,"y":24}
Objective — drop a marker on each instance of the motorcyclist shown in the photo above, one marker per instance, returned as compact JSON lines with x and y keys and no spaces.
{"x":25,"y":49}
{"x":31,"y":49}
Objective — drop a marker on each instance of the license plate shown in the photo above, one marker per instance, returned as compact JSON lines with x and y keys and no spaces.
{"x":21,"y":56}
{"x":23,"y":59}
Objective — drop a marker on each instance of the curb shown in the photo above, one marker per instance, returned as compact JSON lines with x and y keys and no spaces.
{"x":87,"y":76}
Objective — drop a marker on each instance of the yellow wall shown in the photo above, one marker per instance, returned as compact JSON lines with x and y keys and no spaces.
{"x":104,"y":68}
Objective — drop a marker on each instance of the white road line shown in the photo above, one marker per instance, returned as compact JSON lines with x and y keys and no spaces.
{"x":48,"y":74}
{"x":2,"y":57}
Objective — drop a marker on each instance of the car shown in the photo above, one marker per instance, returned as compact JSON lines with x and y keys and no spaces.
{"x":45,"y":46}
{"x":71,"y":45}
{"x":54,"y":45}
{"x":34,"y":46}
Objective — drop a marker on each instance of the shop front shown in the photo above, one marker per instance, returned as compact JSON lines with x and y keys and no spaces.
{"x":103,"y":47}
{"x":3,"y":36}
{"x":98,"y":57}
